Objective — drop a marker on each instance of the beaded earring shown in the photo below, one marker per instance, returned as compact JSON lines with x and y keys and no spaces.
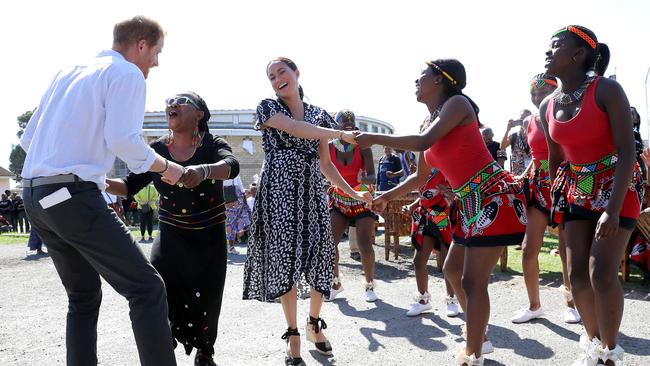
{"x":195,"y":136}
{"x":170,"y":137}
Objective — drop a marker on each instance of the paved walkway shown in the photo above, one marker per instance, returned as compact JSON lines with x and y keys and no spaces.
{"x":33,"y":307}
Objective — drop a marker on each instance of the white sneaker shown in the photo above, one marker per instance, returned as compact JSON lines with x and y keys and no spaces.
{"x":486,"y":347}
{"x":453,"y":309}
{"x":589,"y":355}
{"x":471,"y":360}
{"x":370,"y":292}
{"x":615,"y":354}
{"x":417,"y":309}
{"x":526,"y":315}
{"x":334,"y":292}
{"x":571,"y":316}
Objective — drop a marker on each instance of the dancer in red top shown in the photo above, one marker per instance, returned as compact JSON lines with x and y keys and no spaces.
{"x":596,"y":191}
{"x":357,"y":168}
{"x":490,"y":209}
{"x":431,"y":228}
{"x":539,"y":206}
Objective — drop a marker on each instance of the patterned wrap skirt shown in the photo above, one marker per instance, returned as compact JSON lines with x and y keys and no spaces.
{"x":489,"y":210}
{"x":350,"y":208}
{"x":538,"y":183}
{"x":290,"y":234}
{"x":582,"y":192}
{"x":431,"y":221}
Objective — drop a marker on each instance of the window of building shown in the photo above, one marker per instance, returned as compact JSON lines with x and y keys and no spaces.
{"x":375,"y":129}
{"x":119,"y":169}
{"x":363,"y":126}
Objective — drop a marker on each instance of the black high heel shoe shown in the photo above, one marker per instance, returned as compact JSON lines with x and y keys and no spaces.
{"x":314,"y":325}
{"x":290,"y":360}
{"x":203,"y":359}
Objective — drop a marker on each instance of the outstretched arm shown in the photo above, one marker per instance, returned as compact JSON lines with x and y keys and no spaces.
{"x":307,"y":130}
{"x":457,"y":110}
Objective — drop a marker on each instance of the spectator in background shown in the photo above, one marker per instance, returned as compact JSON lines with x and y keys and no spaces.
{"x":35,"y":243}
{"x":147,"y":200}
{"x":497,"y":154}
{"x":5,"y":225}
{"x":238,"y":215}
{"x":408,"y":161}
{"x":519,"y":149}
{"x":21,"y":217}
{"x":7,"y":210}
{"x":250,"y":198}
{"x":638,"y":142}
{"x":389,"y":170}
{"x":128,"y":212}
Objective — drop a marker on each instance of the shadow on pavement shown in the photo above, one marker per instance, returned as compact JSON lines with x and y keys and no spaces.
{"x":529,"y":348}
{"x":634,"y":345}
{"x":384,"y":272}
{"x":557,"y":329}
{"x":238,"y":258}
{"x":36,"y":257}
{"x":415,"y":331}
{"x":321,"y":359}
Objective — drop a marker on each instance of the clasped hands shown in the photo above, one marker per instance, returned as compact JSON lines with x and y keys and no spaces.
{"x":380,"y":202}
{"x":190,"y":176}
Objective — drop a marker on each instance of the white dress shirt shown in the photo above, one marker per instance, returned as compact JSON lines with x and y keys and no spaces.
{"x":90,"y":114}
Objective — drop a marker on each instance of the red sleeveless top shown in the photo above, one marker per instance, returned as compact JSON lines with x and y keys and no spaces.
{"x":587,"y":136}
{"x":349,"y":172}
{"x":536,"y":140}
{"x":460,"y":154}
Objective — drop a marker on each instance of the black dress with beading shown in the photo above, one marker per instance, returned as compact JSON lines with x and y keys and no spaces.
{"x":190,"y":250}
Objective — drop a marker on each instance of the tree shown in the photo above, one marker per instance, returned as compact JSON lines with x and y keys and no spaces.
{"x":17,"y":155}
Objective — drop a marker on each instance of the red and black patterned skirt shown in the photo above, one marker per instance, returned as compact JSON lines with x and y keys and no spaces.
{"x":539,"y":187}
{"x":431,"y":221}
{"x":347,"y":206}
{"x":489,"y":210}
{"x":582,"y":192}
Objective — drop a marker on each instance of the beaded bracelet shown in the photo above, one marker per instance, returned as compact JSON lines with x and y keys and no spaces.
{"x":166,"y":167}
{"x":207,"y":171}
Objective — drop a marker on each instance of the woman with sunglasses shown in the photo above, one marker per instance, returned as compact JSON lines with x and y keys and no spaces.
{"x":490,"y":207}
{"x":190,"y":250}
{"x":597,"y":186}
{"x":291,"y":233}
{"x":356,"y":166}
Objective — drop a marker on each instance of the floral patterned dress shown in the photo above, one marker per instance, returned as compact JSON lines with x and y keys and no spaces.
{"x":290,"y":230}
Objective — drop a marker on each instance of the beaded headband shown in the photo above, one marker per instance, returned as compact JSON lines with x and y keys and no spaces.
{"x":344,"y":115}
{"x":580,"y":34}
{"x":443,"y":72}
{"x":538,"y":83}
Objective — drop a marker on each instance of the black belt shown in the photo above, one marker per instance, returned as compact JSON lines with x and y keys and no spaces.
{"x":54,"y":179}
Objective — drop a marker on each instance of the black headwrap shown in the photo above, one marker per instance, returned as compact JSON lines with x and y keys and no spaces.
{"x":203,"y":123}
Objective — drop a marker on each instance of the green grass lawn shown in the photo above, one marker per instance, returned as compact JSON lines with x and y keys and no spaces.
{"x":550,"y":266}
{"x":13,"y":238}
{"x":19,"y":238}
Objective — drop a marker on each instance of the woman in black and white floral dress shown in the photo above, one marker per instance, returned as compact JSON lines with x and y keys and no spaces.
{"x":290,"y":232}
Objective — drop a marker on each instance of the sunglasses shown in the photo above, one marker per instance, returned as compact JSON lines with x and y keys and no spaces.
{"x":181,"y":101}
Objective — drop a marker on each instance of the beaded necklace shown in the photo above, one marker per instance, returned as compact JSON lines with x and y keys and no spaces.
{"x":196,"y":146}
{"x":575,"y":96}
{"x":432,"y":117}
{"x":342,"y":147}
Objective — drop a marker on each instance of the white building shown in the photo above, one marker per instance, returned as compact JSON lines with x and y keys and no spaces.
{"x":236,"y":126}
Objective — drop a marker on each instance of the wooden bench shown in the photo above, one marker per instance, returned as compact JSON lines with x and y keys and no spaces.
{"x":396,"y":222}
